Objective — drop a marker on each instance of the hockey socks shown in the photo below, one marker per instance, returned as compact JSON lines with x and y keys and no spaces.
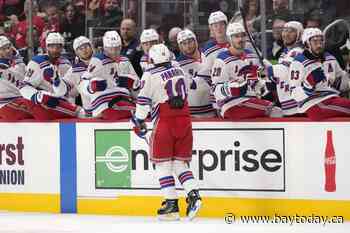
{"x":188,"y":182}
{"x":169,"y":210}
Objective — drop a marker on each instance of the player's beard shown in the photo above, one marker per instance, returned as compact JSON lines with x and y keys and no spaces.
{"x":239,"y":46}
{"x":54,"y":55}
{"x":192,"y":52}
{"x":6,"y":55}
{"x":86,"y":56}
{"x":319,"y":52}
{"x":290,"y":44}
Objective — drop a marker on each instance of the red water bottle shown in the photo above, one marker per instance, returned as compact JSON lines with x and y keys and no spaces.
{"x":329,"y":164}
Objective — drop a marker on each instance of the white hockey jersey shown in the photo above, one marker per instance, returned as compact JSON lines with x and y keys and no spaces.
{"x":199,"y":91}
{"x":103,"y":67}
{"x":288,"y":54}
{"x":279,"y":74}
{"x":316,"y":80}
{"x":211,"y":50}
{"x":158,"y":85}
{"x":146,"y":65}
{"x":72,"y":85}
{"x":226,"y":68}
{"x":40,"y":74}
{"x":11,"y":79}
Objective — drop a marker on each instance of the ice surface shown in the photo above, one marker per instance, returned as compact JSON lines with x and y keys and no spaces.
{"x":11,"y":222}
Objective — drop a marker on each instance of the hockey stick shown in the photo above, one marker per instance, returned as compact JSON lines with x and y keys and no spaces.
{"x":250,"y":37}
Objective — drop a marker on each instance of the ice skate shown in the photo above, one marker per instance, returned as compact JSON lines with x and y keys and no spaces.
{"x":194,"y":202}
{"x":169,"y":210}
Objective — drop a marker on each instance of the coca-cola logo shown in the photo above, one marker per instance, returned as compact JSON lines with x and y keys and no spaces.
{"x":330,"y":160}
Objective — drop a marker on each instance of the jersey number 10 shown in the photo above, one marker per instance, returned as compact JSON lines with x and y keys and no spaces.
{"x":175,"y":87}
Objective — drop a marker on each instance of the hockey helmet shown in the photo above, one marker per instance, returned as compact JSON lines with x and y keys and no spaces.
{"x":185,"y":35}
{"x":216,"y":17}
{"x":234,"y":28}
{"x":112,"y":39}
{"x":149,"y":35}
{"x":159,"y":53}
{"x":310,"y":33}
{"x":4,"y":41}
{"x":79,"y":41}
{"x":297,"y":26}
{"x":54,"y":38}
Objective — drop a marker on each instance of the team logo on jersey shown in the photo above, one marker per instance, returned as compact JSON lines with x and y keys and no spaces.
{"x":112,"y":152}
{"x":48,"y":74}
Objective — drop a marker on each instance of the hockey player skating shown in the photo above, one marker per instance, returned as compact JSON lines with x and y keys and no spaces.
{"x":191,"y":60}
{"x":72,"y":85}
{"x":164,"y":89}
{"x":235,"y":80}
{"x":316,"y":76}
{"x":42,"y":74}
{"x":12,"y":105}
{"x":111,"y":81}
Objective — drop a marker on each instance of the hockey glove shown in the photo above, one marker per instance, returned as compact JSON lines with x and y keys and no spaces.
{"x":140,"y":127}
{"x":250,"y":72}
{"x":234,"y":89}
{"x":97,"y":85}
{"x":45,"y":99}
{"x":128,"y":81}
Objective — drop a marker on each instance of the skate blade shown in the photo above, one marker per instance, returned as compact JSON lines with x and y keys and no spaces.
{"x":195,"y":210}
{"x":169,"y":217}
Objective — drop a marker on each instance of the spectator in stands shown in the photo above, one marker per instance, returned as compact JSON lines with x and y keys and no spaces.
{"x":82,"y":9}
{"x":279,"y":11}
{"x":132,"y":10}
{"x":280,"y":6}
{"x":10,"y":8}
{"x":172,"y":37}
{"x":131,"y":44}
{"x":108,"y":15}
{"x":19,"y":32}
{"x":252,"y":12}
{"x":73,"y":25}
{"x":52,"y":21}
{"x":53,"y":17}
{"x":312,"y":20}
{"x":276,"y":47}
